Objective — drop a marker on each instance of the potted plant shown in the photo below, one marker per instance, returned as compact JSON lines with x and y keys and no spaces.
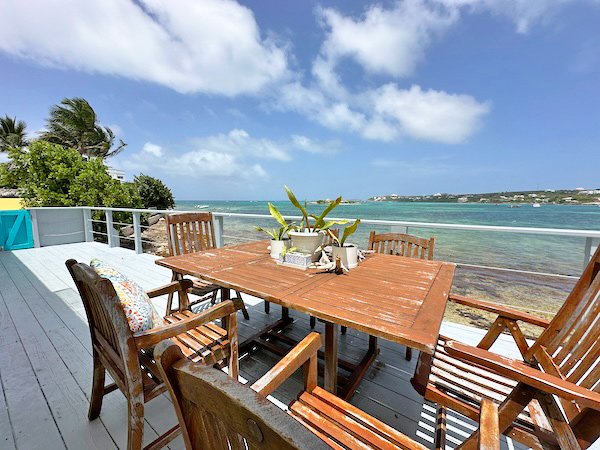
{"x":308,"y":238}
{"x":279,"y":239}
{"x":348,"y":253}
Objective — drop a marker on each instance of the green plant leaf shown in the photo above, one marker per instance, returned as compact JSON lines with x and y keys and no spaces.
{"x":273,"y":233}
{"x":297,"y":204}
{"x":277,"y":215}
{"x":349,"y":231}
{"x":328,"y":225}
{"x":330,"y":207}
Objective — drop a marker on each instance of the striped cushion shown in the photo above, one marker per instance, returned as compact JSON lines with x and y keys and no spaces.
{"x":139,"y":310}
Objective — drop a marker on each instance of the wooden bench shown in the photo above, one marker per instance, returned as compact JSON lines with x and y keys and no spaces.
{"x":216,"y":412}
{"x":549,"y":398}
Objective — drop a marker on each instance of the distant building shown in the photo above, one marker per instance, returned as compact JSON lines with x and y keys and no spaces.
{"x":117,"y":174}
{"x":463,"y":199}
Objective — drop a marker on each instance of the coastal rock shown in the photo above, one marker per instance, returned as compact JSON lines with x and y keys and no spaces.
{"x":156,"y":238}
{"x":9,"y":193}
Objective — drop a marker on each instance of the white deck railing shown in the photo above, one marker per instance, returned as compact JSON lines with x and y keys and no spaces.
{"x":60,"y":225}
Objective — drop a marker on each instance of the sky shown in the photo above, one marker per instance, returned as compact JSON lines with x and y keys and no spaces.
{"x":227,"y":100}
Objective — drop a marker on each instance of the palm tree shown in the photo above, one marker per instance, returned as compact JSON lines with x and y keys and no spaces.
{"x":74,"y":124}
{"x":12,"y":133}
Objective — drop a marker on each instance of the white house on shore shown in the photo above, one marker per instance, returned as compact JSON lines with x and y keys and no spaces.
{"x":117,"y":174}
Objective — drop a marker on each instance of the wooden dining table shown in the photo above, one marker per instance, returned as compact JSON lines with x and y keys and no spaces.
{"x":391,"y":297}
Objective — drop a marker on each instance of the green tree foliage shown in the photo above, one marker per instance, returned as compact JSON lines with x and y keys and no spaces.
{"x":74,"y":124}
{"x":13,"y":133}
{"x":153,"y":192}
{"x":50,"y":175}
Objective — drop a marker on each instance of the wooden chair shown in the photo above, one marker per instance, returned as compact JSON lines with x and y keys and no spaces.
{"x":219,"y":413}
{"x":402,"y":245}
{"x":128,"y":356}
{"x":549,"y":398}
{"x":189,"y":233}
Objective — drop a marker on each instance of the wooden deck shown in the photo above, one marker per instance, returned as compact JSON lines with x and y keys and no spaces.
{"x":46,"y":363}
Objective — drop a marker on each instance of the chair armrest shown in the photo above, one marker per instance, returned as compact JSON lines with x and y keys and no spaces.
{"x":501,"y":310}
{"x":521,"y":372}
{"x":300,"y":354}
{"x":149,"y":338}
{"x":174,"y":286}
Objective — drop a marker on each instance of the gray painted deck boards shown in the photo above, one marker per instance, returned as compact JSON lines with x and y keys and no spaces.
{"x":45,"y":359}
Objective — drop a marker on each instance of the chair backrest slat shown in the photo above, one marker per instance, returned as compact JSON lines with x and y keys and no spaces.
{"x":402,"y":245}
{"x":572,"y":339}
{"x":221,"y":413}
{"x":190,"y":232}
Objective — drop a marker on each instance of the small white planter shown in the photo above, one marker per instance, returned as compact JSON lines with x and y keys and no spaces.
{"x":278,"y":246}
{"x":307,"y":242}
{"x":348,"y":255}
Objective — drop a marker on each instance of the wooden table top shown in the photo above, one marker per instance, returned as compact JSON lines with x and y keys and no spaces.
{"x":392,"y":297}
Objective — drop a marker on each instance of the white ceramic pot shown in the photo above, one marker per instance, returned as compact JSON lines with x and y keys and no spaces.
{"x":307,"y":241}
{"x":278,"y":246}
{"x":348,"y":255}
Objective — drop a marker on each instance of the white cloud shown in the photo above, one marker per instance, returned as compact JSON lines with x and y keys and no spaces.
{"x":391,"y":42}
{"x":388,"y":41}
{"x":431,"y":115}
{"x":309,"y":145}
{"x":389,"y":113}
{"x":210,"y":46}
{"x":524,"y":13}
{"x":239,"y":142}
{"x":232,"y":156}
{"x":153,"y":149}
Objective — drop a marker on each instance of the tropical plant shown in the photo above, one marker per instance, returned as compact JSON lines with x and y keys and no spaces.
{"x":153,"y":192}
{"x":74,"y":124}
{"x":50,"y":175}
{"x":319,"y":221}
{"x":348,"y":231}
{"x":277,"y":234}
{"x":12,"y":134}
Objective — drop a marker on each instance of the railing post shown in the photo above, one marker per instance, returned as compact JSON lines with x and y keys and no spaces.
{"x":88,"y":225}
{"x":219,"y":231}
{"x":137,"y":233}
{"x":399,"y":229}
{"x":35,"y":229}
{"x":110,"y":228}
{"x":588,"y":250}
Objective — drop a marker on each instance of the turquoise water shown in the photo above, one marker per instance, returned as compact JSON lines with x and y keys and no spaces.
{"x":529,"y":252}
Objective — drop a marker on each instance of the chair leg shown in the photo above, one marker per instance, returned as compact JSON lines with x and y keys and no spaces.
{"x":135,"y":432}
{"x":244,"y":310}
{"x":267,"y":307}
{"x":97,"y":388}
{"x":313,"y":322}
{"x":213,"y":298}
{"x":344,"y":329}
{"x":408,"y":354}
{"x":169,"y":311}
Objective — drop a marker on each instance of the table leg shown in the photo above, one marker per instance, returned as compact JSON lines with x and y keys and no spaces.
{"x":360,"y":370}
{"x":225,"y":295}
{"x":331,"y":356}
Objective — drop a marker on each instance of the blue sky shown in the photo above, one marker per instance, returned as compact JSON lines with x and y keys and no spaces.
{"x":228,"y":100}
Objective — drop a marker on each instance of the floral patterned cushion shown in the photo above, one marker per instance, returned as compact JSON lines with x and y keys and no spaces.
{"x":139,"y":310}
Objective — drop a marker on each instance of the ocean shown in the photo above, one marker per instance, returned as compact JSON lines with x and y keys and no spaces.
{"x":538,"y":294}
{"x":555,"y":254}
